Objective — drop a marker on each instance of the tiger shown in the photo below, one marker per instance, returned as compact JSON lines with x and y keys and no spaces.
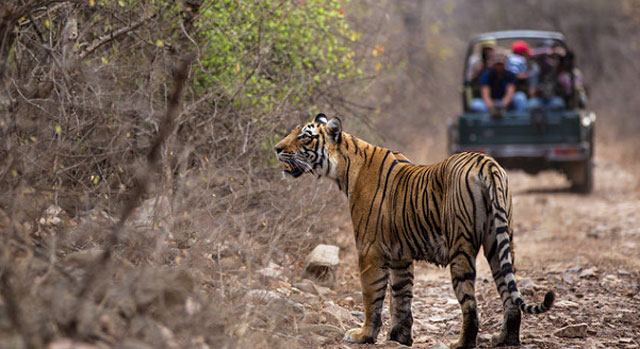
{"x":404,"y":212}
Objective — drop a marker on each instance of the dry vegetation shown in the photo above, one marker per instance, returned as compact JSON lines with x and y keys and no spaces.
{"x":132,"y":218}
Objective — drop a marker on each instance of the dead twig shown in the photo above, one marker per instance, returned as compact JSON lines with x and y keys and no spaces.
{"x":140,"y":186}
{"x":112,"y":36}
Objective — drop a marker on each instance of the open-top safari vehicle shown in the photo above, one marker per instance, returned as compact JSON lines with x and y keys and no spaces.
{"x":532,"y":140}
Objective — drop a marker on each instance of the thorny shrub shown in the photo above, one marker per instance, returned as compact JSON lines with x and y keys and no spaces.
{"x":86,"y":86}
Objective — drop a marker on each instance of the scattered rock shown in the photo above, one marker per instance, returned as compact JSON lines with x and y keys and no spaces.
{"x":574,"y":269}
{"x":305,"y":285}
{"x":340,"y":314}
{"x":358,"y":314}
{"x":439,"y":345}
{"x":567,"y":304}
{"x":437,"y":318}
{"x":265,"y":296}
{"x":273,"y":271}
{"x":569,"y":278}
{"x":321,"y":264}
{"x":623,"y":272}
{"x":527,"y":287}
{"x":327,"y":330}
{"x":573,"y":331}
{"x":591,"y":343}
{"x":588,"y":273}
{"x":484,"y":338}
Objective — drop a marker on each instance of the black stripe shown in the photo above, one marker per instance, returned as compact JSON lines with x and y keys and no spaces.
{"x":467,"y":297}
{"x":492,"y":252}
{"x":512,"y":286}
{"x":400,"y":285}
{"x":379,"y":299}
{"x":504,"y":254}
{"x":383,"y":278}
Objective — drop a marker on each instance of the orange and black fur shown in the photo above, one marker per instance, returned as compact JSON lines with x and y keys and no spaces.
{"x":401,"y":212}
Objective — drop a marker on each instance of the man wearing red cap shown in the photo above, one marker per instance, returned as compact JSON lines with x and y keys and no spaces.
{"x":520,"y":64}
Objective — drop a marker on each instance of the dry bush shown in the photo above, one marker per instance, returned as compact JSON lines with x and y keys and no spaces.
{"x":131,"y":222}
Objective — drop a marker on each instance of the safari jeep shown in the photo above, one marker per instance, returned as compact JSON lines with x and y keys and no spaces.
{"x":533,"y":140}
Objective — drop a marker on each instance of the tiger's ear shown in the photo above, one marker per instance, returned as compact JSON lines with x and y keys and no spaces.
{"x":321,"y":119}
{"x":334,"y":130}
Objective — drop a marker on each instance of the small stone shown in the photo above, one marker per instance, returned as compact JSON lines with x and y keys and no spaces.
{"x":568,"y":278}
{"x":625,"y":340}
{"x":439,"y":345}
{"x":337,"y":312}
{"x":305,"y":285}
{"x":484,"y":338}
{"x":588,"y":273}
{"x":436,"y":318}
{"x":270,"y":272}
{"x":573,"y":331}
{"x":358,"y":314}
{"x":574,"y":269}
{"x":321,"y":264}
{"x":567,"y":304}
{"x":623,"y":272}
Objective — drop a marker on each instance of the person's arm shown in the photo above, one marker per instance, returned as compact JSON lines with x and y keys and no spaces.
{"x":508,"y":96}
{"x":485,"y":93}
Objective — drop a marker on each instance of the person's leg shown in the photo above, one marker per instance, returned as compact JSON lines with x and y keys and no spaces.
{"x":478,"y":105}
{"x":519,"y":102}
{"x":555,"y":103}
{"x":534,"y":103}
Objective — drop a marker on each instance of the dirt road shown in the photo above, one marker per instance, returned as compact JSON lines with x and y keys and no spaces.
{"x":586,"y":248}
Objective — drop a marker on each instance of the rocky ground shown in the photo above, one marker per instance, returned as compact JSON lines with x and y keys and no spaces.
{"x":586,"y":248}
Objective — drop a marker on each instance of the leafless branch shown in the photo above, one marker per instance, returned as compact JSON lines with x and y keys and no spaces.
{"x":113,"y":35}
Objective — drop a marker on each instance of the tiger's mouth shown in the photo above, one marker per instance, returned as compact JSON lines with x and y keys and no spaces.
{"x":292,"y":166}
{"x":292,"y":169}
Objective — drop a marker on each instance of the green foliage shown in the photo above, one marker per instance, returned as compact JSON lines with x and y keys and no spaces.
{"x":272,"y":50}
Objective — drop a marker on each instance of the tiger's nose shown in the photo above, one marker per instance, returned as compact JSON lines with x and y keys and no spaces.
{"x":278,"y":149}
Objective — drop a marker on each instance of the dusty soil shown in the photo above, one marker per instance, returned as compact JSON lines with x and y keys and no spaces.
{"x":586,"y":248}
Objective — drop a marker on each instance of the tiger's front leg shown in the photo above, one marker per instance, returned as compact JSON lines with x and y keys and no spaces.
{"x":374,"y":275}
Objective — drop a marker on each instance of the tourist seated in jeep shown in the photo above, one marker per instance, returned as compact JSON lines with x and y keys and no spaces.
{"x":570,"y":82}
{"x":479,"y":61}
{"x":520,"y":63}
{"x":498,"y":89}
{"x":543,"y":79}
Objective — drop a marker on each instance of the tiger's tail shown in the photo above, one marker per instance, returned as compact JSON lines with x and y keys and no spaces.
{"x":499,"y":197}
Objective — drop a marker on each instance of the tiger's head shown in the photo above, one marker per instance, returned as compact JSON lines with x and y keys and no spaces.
{"x":311,"y":148}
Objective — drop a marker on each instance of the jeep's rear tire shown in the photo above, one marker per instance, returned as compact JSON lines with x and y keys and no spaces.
{"x":581,"y":177}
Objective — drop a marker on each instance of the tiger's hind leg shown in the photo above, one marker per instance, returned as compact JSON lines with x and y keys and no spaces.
{"x":401,"y":296}
{"x":510,"y":333}
{"x":463,"y":276}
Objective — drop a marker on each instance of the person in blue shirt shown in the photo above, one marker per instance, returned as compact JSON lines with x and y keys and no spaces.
{"x":498,"y":89}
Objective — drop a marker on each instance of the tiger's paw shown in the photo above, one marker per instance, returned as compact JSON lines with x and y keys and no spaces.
{"x":401,"y":335}
{"x":462,"y":345}
{"x":503,"y":340}
{"x":358,"y":335}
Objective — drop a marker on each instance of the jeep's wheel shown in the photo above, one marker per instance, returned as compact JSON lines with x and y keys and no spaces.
{"x":582,"y":177}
